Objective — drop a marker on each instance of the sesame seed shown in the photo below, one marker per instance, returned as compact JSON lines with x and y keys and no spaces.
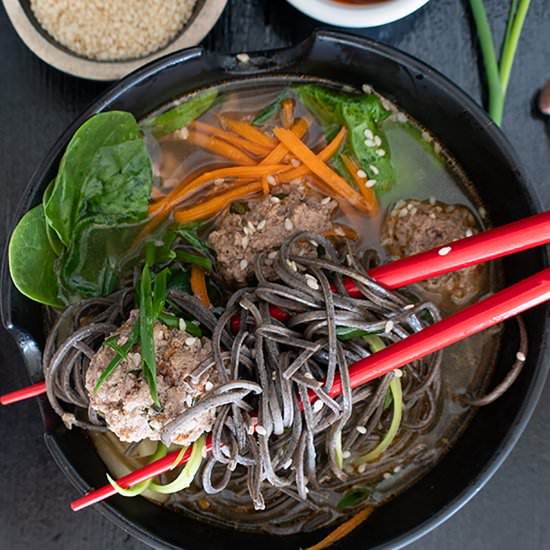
{"x":243,"y":58}
{"x":444,"y":251}
{"x":312,"y":283}
{"x":370,"y":143}
{"x":388,"y":327}
{"x":318,"y":405}
{"x":181,"y":324}
{"x":380,"y":152}
{"x":208,"y":386}
{"x":292,"y":265}
{"x":377,"y":141}
{"x":468,"y":233}
{"x":398,"y":373}
{"x":366,"y":89}
{"x":404,"y":212}
{"x":246,"y":231}
{"x":313,"y":243}
{"x":399,"y":203}
{"x":243,"y":264}
{"x":287,"y":464}
{"x":295,"y":162}
{"x":361,"y":429}
{"x":289,"y":226}
{"x":432,"y":201}
{"x":361,"y":174}
{"x":244,"y":241}
{"x":368,"y":134}
{"x":349,"y":259}
{"x":408,"y":306}
{"x":250,"y":226}
{"x":195,"y":322}
{"x":326,"y":200}
{"x":414,"y":210}
{"x":397,"y":469}
{"x":370,"y":183}
{"x":373,"y":169}
{"x":432,"y":216}
{"x":261,"y":225}
{"x":339,"y":231}
{"x":386,"y":475}
{"x":272,"y":255}
{"x":308,"y":375}
{"x":219,"y":181}
{"x":362,"y":468}
{"x":346,"y":454}
{"x":260,"y":430}
{"x":520,"y":356}
{"x":271,"y":180}
{"x":183,"y":133}
{"x":275,"y":200}
{"x":190,"y":341}
{"x":189,"y":401}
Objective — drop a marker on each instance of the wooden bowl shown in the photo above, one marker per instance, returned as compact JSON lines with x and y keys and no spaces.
{"x":205,"y":15}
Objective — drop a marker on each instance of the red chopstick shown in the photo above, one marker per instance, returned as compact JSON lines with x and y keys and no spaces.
{"x":493,"y":310}
{"x":483,"y":247}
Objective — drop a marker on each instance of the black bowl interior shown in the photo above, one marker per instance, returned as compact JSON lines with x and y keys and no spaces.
{"x":490,"y":163}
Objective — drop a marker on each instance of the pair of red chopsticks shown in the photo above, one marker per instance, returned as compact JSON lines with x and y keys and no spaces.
{"x":489,"y":245}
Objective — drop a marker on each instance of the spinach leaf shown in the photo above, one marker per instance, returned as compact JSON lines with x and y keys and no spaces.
{"x":182,"y":115}
{"x":189,"y":233}
{"x":32,"y":259}
{"x":358,"y":113}
{"x":105,"y":172}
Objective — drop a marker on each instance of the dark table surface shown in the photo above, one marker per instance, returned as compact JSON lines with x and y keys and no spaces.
{"x":38,"y":102}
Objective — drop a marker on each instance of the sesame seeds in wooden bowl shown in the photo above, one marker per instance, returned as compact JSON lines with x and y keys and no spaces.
{"x":105,"y":40}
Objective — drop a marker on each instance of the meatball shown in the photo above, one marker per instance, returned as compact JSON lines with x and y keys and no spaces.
{"x":266,"y":224}
{"x":124,"y":399}
{"x":415,"y":226}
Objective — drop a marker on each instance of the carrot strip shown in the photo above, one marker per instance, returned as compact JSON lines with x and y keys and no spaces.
{"x":248,"y":131}
{"x":198,"y":285}
{"x":300,"y":127}
{"x":220,"y":147}
{"x":183,"y":190}
{"x":250,"y":146}
{"x":287,"y":112}
{"x":368,"y":194}
{"x":303,"y":153}
{"x":265,"y":186}
{"x":325,"y":154}
{"x":216,"y":204}
{"x":343,"y":530}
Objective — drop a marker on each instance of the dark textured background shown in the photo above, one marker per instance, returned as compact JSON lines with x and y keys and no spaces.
{"x":38,"y":102}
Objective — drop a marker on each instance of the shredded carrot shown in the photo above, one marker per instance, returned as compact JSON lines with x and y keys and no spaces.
{"x":250,"y":146}
{"x":248,"y":131}
{"x":343,"y":530}
{"x":287,"y":112}
{"x":325,"y":154}
{"x":198,"y":285}
{"x":304,"y":154}
{"x":182,"y":191}
{"x":342,"y":231}
{"x":265,"y":186}
{"x":220,"y":147}
{"x":368,"y":194}
{"x":300,"y":127}
{"x":216,"y":204}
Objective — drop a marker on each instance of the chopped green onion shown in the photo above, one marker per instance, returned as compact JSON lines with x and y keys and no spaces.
{"x":187,"y":258}
{"x":159,"y":292}
{"x":186,"y":476}
{"x":353,"y":497}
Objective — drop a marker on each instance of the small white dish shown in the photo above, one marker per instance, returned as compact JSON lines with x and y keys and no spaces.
{"x":357,"y":15}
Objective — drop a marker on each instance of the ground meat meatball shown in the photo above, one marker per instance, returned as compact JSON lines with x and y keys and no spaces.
{"x":415,"y":226}
{"x":268,"y":222}
{"x":124,"y":399}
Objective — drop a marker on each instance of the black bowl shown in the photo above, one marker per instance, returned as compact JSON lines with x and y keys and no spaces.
{"x":488,"y":159}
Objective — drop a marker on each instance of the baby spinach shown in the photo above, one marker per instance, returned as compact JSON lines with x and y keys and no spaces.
{"x":362,"y":115}
{"x":181,"y":115}
{"x":32,"y":259}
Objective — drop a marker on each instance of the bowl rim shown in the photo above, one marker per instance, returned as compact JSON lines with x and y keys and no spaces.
{"x":60,"y":57}
{"x":118,"y":90}
{"x":357,"y":16}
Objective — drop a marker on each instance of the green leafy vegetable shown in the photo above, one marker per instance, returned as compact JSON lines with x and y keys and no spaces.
{"x":498,"y":79}
{"x":238,"y":207}
{"x":348,"y":333}
{"x":268,"y":112}
{"x":353,"y":497}
{"x":182,"y":115}
{"x":147,"y":343}
{"x":32,"y":259}
{"x":189,"y":233}
{"x":201,"y":261}
{"x":363,"y":116}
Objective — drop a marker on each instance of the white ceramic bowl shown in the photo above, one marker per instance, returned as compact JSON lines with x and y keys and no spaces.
{"x":357,"y":15}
